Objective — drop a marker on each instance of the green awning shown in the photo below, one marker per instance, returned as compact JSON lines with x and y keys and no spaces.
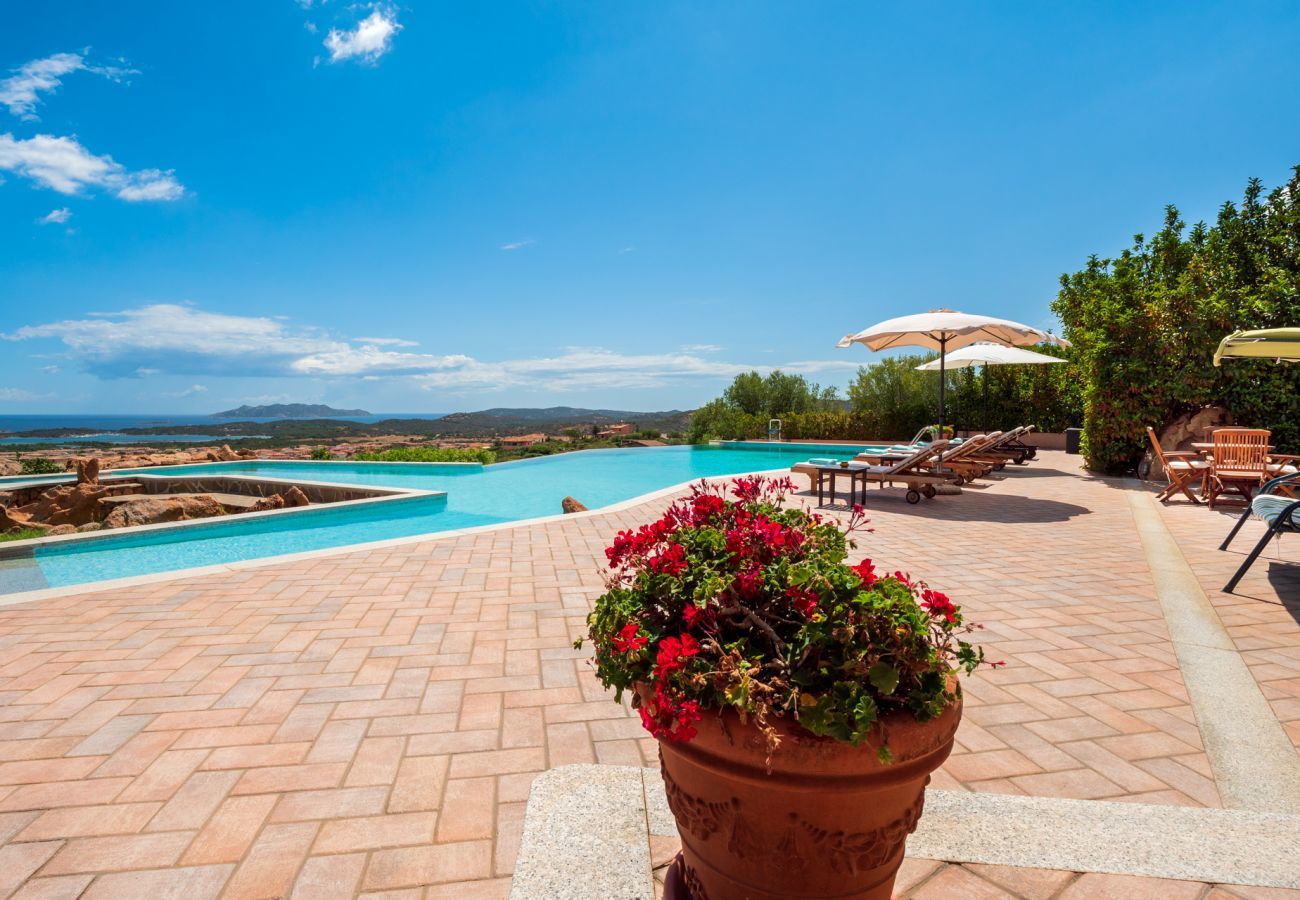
{"x":1281,"y":344}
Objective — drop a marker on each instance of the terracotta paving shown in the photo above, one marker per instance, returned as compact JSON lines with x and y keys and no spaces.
{"x":370,"y":722}
{"x":926,"y":879}
{"x":1263,"y":615}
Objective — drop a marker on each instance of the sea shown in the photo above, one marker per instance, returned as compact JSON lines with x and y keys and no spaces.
{"x":107,"y":428}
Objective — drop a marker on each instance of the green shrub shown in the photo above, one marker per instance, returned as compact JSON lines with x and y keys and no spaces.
{"x":1145,"y":325}
{"x":321,"y":453}
{"x":429,"y":454}
{"x":891,"y":400}
{"x":39,"y":465}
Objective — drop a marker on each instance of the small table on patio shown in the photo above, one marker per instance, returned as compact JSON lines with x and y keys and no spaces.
{"x":857,"y":474}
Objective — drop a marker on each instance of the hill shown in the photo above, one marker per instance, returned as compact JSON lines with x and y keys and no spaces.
{"x":483,"y":425}
{"x":287,"y":411}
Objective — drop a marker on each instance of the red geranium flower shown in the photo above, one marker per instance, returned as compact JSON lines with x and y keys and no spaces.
{"x":629,"y":639}
{"x":674,"y":652}
{"x":670,"y":561}
{"x":938,"y":605}
{"x":867,"y":572}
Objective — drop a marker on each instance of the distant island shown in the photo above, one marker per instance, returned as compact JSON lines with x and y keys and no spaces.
{"x":287,"y":411}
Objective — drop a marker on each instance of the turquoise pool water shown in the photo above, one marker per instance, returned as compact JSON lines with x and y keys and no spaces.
{"x":506,"y":492}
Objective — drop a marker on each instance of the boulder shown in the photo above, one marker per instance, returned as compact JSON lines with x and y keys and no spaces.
{"x":162,"y":509}
{"x":67,"y":504}
{"x":14,"y":520}
{"x":225,"y":454}
{"x":10,"y":467}
{"x":245,"y":453}
{"x":1181,"y":433}
{"x":90,"y":526}
{"x":275,"y":501}
{"x":88,"y":470}
{"x":61,"y":529}
{"x":295,"y":497}
{"x":570,"y":505}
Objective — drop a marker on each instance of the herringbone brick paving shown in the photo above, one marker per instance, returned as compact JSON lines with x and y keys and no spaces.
{"x":370,"y":722}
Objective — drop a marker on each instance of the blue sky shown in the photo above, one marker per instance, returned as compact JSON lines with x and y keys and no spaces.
{"x":436,"y":206}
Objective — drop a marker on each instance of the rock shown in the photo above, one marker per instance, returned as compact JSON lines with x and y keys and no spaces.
{"x":569,"y":505}
{"x":61,"y":529}
{"x":14,"y":520}
{"x":67,"y":504}
{"x":6,"y":498}
{"x":90,"y":526}
{"x":10,"y":467}
{"x":295,"y":497}
{"x":1181,"y":432}
{"x":247,"y":454}
{"x":275,"y":501}
{"x":88,"y":470}
{"x":225,"y":454}
{"x":18,"y":529}
{"x":162,"y":509}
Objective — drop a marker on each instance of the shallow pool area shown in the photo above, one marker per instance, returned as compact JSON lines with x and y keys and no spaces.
{"x":475,"y":496}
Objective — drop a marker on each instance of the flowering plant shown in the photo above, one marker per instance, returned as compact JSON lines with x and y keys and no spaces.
{"x":749,"y":604}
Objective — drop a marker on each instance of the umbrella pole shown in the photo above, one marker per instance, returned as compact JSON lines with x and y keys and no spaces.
{"x":986,"y":397}
{"x":943,"y":378}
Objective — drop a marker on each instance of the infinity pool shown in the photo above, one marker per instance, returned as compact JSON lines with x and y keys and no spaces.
{"x":506,"y":492}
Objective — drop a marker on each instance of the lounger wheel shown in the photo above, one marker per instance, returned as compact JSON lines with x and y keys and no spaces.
{"x":913,"y":496}
{"x":929,"y":491}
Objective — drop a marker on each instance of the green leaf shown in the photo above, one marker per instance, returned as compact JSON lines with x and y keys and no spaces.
{"x":883,"y":677}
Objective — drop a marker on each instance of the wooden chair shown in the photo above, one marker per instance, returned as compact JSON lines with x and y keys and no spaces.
{"x":1182,"y":467}
{"x":1239,"y":464}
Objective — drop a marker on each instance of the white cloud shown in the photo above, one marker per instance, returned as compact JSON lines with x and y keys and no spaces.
{"x":701,"y":348}
{"x":21,"y":91}
{"x":52,"y":370}
{"x":387,"y":342}
{"x":626,"y":250}
{"x":63,"y":165}
{"x":518,"y":245}
{"x":55,"y":217}
{"x":189,"y":391}
{"x":18,"y":395}
{"x":174,"y":339}
{"x":371,"y":39}
{"x":177,"y":339}
{"x":578,"y":368}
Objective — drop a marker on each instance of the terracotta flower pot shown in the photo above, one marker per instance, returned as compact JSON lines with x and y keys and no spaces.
{"x":829,"y":821}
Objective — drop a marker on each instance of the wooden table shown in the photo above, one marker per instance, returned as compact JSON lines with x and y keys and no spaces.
{"x":857,"y":474}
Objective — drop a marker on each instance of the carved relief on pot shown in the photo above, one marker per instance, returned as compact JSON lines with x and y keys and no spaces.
{"x":794,"y":846}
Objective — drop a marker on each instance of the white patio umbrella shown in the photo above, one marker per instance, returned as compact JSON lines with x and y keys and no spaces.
{"x":944,"y":330}
{"x":987,"y":353}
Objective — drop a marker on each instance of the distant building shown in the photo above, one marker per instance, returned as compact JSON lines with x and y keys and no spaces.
{"x":522,"y":440}
{"x":618,"y":430}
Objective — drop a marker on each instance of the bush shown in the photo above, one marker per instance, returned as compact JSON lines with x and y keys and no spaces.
{"x":1145,"y":325}
{"x":429,"y":454}
{"x":321,"y":453}
{"x":891,"y":400}
{"x":749,"y":605}
{"x":39,"y":465}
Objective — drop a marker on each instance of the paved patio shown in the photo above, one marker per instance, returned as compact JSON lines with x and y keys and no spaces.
{"x":371,"y":722}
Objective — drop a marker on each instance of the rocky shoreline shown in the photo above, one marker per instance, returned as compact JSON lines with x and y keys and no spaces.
{"x":90,"y":504}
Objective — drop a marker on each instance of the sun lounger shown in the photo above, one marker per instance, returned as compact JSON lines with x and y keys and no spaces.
{"x":1277,"y":509}
{"x":908,"y":471}
{"x":962,"y":460}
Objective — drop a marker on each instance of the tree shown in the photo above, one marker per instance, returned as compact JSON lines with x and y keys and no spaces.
{"x":1145,"y":324}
